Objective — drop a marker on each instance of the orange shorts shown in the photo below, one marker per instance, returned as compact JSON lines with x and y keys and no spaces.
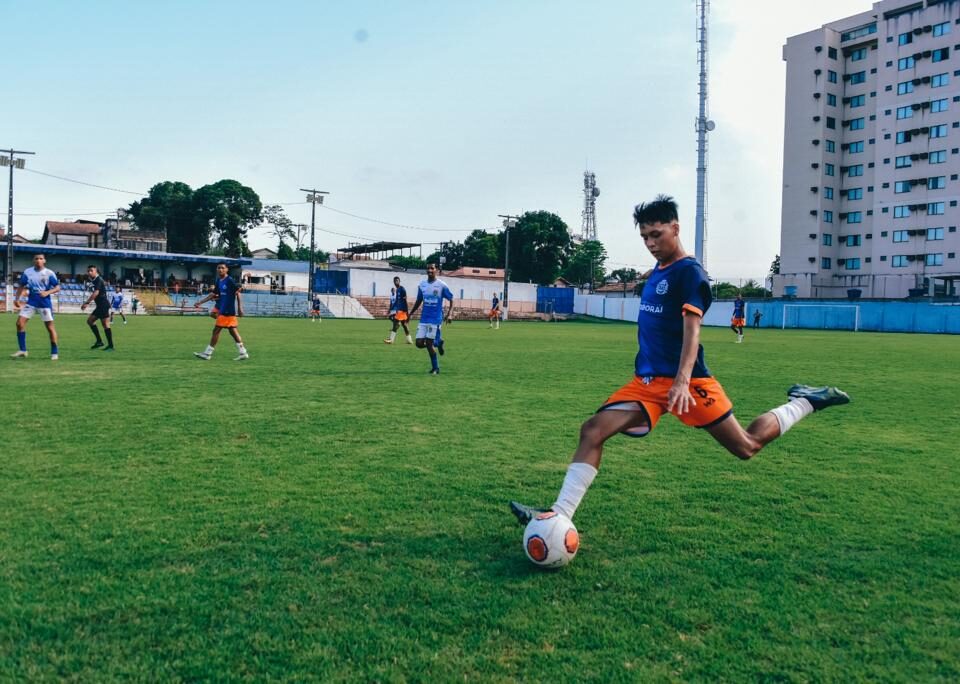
{"x":226,"y":322}
{"x":400,"y":316}
{"x":494,"y":313}
{"x":738,"y":322}
{"x":712,"y":405}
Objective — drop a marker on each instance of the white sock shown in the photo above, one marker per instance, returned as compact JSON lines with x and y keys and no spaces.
{"x":575,"y":484}
{"x":209,"y":350}
{"x":393,"y":335}
{"x":241,"y":348}
{"x":409,"y":339}
{"x":791,"y":412}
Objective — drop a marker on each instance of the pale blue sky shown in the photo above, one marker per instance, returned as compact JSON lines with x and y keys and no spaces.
{"x":435,"y":114}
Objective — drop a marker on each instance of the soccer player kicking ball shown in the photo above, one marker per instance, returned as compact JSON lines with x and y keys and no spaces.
{"x":739,"y":318}
{"x":41,"y":282}
{"x":101,"y":309}
{"x":228,"y":308}
{"x":398,"y":312}
{"x":670,"y":373}
{"x":431,"y":294}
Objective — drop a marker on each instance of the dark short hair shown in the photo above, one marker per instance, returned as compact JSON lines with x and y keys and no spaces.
{"x":663,"y":209}
{"x":431,"y":263}
{"x":396,"y":277}
{"x":89,"y":266}
{"x":39,"y":254}
{"x":224,"y":264}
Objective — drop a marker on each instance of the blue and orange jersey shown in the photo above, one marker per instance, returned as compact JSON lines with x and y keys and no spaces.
{"x":227,"y":290}
{"x":739,"y":306}
{"x":401,"y":300}
{"x":670,"y":293}
{"x":494,"y":304}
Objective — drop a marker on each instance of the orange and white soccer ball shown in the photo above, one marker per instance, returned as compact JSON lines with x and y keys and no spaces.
{"x":551,"y":540}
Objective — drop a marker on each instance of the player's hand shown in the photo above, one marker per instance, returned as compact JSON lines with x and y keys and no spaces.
{"x":679,"y":398}
{"x":83,"y":307}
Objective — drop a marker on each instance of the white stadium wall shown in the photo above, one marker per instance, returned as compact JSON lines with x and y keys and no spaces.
{"x":370,"y":283}
{"x":618,"y":309}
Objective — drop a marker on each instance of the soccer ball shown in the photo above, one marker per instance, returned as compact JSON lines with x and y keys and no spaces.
{"x":551,"y":540}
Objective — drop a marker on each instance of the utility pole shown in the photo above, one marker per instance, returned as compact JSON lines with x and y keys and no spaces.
{"x":704,"y":125}
{"x":508,"y":223}
{"x":18,"y":163}
{"x":314,"y":197}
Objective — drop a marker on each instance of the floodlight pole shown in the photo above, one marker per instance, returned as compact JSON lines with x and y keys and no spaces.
{"x":19,"y":163}
{"x":509,"y":222}
{"x":314,"y":197}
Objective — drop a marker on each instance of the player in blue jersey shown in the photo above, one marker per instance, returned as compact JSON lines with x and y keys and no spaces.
{"x":116,"y":304}
{"x":670,"y":375}
{"x":315,"y":310}
{"x":40,"y":282}
{"x":228,"y":308}
{"x":431,"y":294}
{"x":399,"y":311}
{"x":101,"y":309}
{"x":494,"y":315}
{"x":739,"y":318}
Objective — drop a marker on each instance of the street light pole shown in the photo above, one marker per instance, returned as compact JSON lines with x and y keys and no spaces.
{"x":18,"y":163}
{"x":314,"y":197}
{"x":509,"y":222}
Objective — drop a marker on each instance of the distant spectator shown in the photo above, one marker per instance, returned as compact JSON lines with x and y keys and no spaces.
{"x":756,"y":318}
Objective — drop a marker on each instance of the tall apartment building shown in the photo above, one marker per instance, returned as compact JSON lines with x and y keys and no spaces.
{"x":871,"y":154}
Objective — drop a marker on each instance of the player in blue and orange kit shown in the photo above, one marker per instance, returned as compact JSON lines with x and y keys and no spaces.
{"x":494,"y":314}
{"x":739,"y":318}
{"x":101,"y":309}
{"x":399,"y":313}
{"x":116,"y":304}
{"x":228,"y":308}
{"x":670,"y":375}
{"x":431,"y":294}
{"x":40,"y":282}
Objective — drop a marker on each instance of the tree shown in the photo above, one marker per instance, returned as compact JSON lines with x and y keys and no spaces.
{"x":303,"y":254}
{"x":775,"y":266}
{"x":586,"y":263}
{"x":285,"y":252}
{"x":539,"y":247}
{"x":282,"y":225}
{"x":169,"y":207}
{"x":407,"y":262}
{"x":624,"y":276}
{"x":230,"y":209}
{"x":482,"y":249}
{"x":452,"y":253}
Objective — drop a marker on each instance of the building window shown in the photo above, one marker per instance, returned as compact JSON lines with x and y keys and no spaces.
{"x":903,"y":137}
{"x":855,"y":217}
{"x":900,"y":236}
{"x":939,"y":105}
{"x":855,"y":170}
{"x":938,"y":157}
{"x":903,"y":162}
{"x":831,"y":99}
{"x":903,"y":211}
{"x":858,"y":77}
{"x":855,"y":193}
{"x":858,"y":54}
{"x":936,"y":182}
{"x":941,"y":29}
{"x":905,"y":112}
{"x":831,"y":122}
{"x":939,"y":80}
{"x":827,"y":192}
{"x":827,"y":216}
{"x":825,"y":263}
{"x":827,"y":239}
{"x":940,"y":55}
{"x":934,"y":233}
{"x":855,"y":147}
{"x":831,"y":76}
{"x":934,"y":260}
{"x":899,"y":260}
{"x":858,"y":101}
{"x":852,"y":264}
{"x":832,"y":52}
{"x":938,"y":131}
{"x":936,"y":208}
{"x":859,"y":32}
{"x":905,"y":63}
{"x":905,"y":38}
{"x":828,"y":169}
{"x":852,"y":240}
{"x":901,"y":187}
{"x":829,"y":146}
{"x":856,"y":124}
{"x":905,"y":87}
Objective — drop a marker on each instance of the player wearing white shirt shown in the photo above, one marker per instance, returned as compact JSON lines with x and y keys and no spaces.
{"x":40,"y":282}
{"x":430,"y":294}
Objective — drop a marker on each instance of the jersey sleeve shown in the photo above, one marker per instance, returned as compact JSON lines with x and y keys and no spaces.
{"x":53,"y":282}
{"x":695,"y":292}
{"x":23,"y":280}
{"x":447,"y":294}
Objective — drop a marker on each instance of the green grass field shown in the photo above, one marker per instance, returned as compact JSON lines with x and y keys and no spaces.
{"x":328,"y":511}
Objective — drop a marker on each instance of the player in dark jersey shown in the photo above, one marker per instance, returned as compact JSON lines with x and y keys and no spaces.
{"x":229,"y":307}
{"x":739,"y":318}
{"x":399,"y":312}
{"x":101,"y":309}
{"x":670,"y":375}
{"x":494,"y":314}
{"x":315,"y":310}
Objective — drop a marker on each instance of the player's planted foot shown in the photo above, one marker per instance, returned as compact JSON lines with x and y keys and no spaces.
{"x":96,"y":345}
{"x":524,"y":514}
{"x":19,"y":355}
{"x":54,"y":357}
{"x":202,"y":355}
{"x":819,"y":397}
{"x":243,"y":357}
{"x":109,"y":347}
{"x":434,"y":371}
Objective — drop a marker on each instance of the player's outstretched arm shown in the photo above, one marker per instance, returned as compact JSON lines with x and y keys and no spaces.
{"x":93,"y":295}
{"x":16,"y":297}
{"x":416,"y":305}
{"x":679,"y":396}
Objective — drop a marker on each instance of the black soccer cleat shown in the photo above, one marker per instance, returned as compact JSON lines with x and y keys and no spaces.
{"x":97,"y":345}
{"x":108,"y":348}
{"x":524,"y":514}
{"x":819,"y":397}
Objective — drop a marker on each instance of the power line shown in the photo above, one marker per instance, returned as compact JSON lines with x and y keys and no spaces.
{"x":400,"y":225}
{"x":79,"y":182}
